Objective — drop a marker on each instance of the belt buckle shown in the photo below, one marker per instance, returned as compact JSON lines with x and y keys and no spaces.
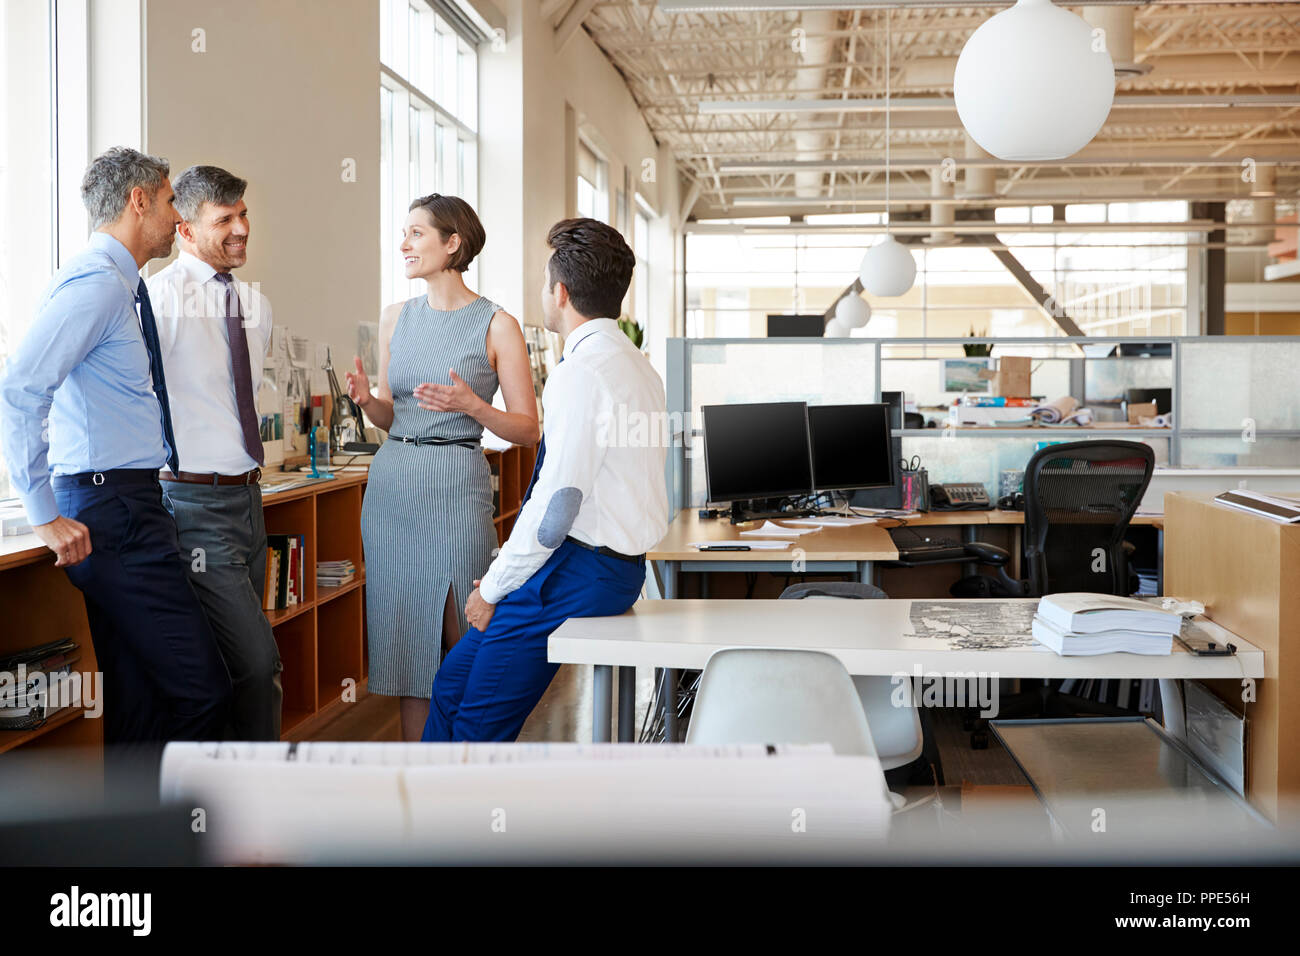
{"x":253,"y":476}
{"x":98,"y":479}
{"x":408,"y":440}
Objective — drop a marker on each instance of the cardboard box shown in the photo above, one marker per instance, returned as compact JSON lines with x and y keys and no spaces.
{"x":1011,"y":379}
{"x":1140,"y":410}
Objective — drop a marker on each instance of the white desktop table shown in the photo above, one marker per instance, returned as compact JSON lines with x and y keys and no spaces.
{"x":868,"y":637}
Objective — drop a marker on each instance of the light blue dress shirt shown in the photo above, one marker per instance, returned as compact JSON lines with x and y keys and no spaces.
{"x":77,"y":393}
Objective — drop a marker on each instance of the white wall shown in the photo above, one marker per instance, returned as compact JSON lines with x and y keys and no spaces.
{"x":527,"y":166}
{"x":286,"y":91}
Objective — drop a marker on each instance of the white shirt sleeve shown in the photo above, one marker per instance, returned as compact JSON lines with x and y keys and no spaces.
{"x":572,"y":425}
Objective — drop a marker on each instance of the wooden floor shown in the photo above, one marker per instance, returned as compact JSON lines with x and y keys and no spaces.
{"x":564,"y":714}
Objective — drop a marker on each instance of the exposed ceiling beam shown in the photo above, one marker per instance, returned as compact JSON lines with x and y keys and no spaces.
{"x":926,"y":163}
{"x":572,"y":20}
{"x":878,"y":104}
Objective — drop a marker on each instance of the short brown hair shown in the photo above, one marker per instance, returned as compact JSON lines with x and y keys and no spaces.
{"x":594,"y":263}
{"x":453,"y":215}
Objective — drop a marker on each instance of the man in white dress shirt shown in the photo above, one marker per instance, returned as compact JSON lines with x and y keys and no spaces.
{"x":597,"y":502}
{"x":214,"y":332}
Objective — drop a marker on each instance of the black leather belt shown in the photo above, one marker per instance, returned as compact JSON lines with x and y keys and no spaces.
{"x":608,"y":552}
{"x":115,"y":476}
{"x":463,"y":442}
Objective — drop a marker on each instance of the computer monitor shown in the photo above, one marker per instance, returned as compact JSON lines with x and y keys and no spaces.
{"x":851,"y":446}
{"x":892,"y":496}
{"x":756,"y":451}
{"x":796,"y":326}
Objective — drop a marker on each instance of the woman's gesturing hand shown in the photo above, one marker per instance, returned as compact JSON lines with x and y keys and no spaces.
{"x":456,"y":397}
{"x":359,"y":384}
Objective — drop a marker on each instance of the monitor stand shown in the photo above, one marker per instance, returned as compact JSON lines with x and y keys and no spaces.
{"x":762,"y":509}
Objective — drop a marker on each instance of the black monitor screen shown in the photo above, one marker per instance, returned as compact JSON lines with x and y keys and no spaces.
{"x":851,"y":446}
{"x":796,"y":326}
{"x":756,"y":451}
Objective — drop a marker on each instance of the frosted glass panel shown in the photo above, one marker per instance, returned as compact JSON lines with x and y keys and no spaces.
{"x":959,"y":459}
{"x":1232,"y":452}
{"x":1224,"y":383}
{"x":1106,"y":380}
{"x":816,"y":373}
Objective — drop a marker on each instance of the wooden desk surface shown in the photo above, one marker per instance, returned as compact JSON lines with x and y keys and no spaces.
{"x":868,"y":637}
{"x":867,"y":542}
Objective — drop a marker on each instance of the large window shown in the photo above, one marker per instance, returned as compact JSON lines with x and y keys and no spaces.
{"x":1112,"y":282}
{"x":641,"y":277}
{"x":428,"y":106}
{"x":593,"y":183}
{"x":28,"y":239}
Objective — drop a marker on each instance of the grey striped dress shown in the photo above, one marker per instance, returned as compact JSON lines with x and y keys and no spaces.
{"x":427,"y":517}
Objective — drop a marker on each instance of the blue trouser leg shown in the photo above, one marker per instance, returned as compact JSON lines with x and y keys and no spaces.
{"x":164,"y":678}
{"x":491,"y":680}
{"x":226,"y":523}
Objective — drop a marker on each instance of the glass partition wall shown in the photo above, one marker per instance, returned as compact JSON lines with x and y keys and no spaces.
{"x":1235,"y":402}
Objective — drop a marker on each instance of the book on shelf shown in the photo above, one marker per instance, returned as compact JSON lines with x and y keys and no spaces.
{"x":284,"y":571}
{"x":334,"y":574}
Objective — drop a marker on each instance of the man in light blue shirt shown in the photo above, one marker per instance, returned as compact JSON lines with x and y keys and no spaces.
{"x":86,"y":429}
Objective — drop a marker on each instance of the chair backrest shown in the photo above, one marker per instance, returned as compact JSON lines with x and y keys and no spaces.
{"x":758,"y":695}
{"x":892,"y":717}
{"x":1079,"y":500}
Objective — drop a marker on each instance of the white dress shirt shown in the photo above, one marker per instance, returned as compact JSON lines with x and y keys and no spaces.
{"x":189,"y":306}
{"x":604,"y":423}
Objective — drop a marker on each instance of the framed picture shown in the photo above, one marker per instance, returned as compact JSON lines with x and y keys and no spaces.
{"x":963,"y":375}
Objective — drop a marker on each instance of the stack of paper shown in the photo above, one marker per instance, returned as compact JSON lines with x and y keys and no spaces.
{"x":771,"y":530}
{"x":334,"y":574}
{"x":1078,"y":623}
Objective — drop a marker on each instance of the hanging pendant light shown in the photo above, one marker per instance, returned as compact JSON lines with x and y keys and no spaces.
{"x":887,"y":269}
{"x":835,"y":329}
{"x":852,"y":311}
{"x":1034,"y":83}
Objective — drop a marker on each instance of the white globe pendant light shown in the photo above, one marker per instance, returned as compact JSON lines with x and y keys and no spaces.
{"x":887,"y":269}
{"x":852,"y":311}
{"x":1034,"y":83}
{"x":835,"y":329}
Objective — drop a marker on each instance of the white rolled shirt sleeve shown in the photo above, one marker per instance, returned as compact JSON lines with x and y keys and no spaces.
{"x":573,"y":422}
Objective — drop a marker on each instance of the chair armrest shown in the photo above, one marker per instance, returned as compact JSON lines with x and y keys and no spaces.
{"x":989,"y":554}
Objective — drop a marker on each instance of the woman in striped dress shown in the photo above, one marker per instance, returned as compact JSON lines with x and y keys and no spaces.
{"x":426,"y":521}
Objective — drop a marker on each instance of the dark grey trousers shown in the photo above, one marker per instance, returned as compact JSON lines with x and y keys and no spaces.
{"x":223,"y":536}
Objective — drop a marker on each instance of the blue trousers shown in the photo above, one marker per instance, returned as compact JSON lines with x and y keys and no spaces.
{"x":491,"y":680}
{"x":163,"y":675}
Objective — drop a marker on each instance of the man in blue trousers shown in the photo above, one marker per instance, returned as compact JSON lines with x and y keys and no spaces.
{"x":597,"y":501}
{"x":87,"y":426}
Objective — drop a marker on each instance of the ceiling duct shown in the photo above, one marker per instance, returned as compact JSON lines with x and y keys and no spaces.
{"x":817,"y":46}
{"x":977,"y":182}
{"x":1118,"y":24}
{"x":941,"y":213}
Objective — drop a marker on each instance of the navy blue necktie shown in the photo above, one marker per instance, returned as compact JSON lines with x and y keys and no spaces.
{"x":537,"y":466}
{"x":150,"y":330}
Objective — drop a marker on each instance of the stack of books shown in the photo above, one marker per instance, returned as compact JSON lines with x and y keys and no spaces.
{"x":334,"y":574}
{"x":1078,"y":623}
{"x":284,"y":575}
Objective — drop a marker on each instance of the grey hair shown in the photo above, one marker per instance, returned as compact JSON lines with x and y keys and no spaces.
{"x":200,"y":184}
{"x":110,"y":177}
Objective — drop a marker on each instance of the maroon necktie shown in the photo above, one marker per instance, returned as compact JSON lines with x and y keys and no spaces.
{"x":239,"y":362}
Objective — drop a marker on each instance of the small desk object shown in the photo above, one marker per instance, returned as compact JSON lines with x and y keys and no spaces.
{"x":950,"y":637}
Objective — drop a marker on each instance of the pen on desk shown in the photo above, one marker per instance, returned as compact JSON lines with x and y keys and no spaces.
{"x":725,"y":547}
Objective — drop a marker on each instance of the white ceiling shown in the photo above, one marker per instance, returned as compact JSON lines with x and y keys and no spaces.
{"x":673,"y":62}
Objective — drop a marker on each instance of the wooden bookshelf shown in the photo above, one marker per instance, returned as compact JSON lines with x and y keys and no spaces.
{"x":514,"y":466}
{"x":322,"y":639}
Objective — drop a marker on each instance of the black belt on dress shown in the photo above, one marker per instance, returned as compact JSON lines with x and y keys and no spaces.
{"x":114,"y":476}
{"x":608,"y":552}
{"x":463,"y":442}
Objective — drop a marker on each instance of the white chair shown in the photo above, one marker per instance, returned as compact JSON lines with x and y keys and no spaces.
{"x":756,"y":695}
{"x":891,"y":711}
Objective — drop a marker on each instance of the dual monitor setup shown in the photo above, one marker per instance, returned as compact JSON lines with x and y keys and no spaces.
{"x":758,"y":454}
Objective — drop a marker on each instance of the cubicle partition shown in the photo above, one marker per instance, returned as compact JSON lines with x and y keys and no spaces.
{"x":1235,"y":399}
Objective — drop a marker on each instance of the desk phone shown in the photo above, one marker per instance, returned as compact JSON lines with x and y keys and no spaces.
{"x":965,"y":496}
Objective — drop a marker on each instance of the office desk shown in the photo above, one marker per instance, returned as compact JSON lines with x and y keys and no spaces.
{"x":868,"y":637}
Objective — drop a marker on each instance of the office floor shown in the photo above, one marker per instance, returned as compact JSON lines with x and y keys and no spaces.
{"x":564,"y":714}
